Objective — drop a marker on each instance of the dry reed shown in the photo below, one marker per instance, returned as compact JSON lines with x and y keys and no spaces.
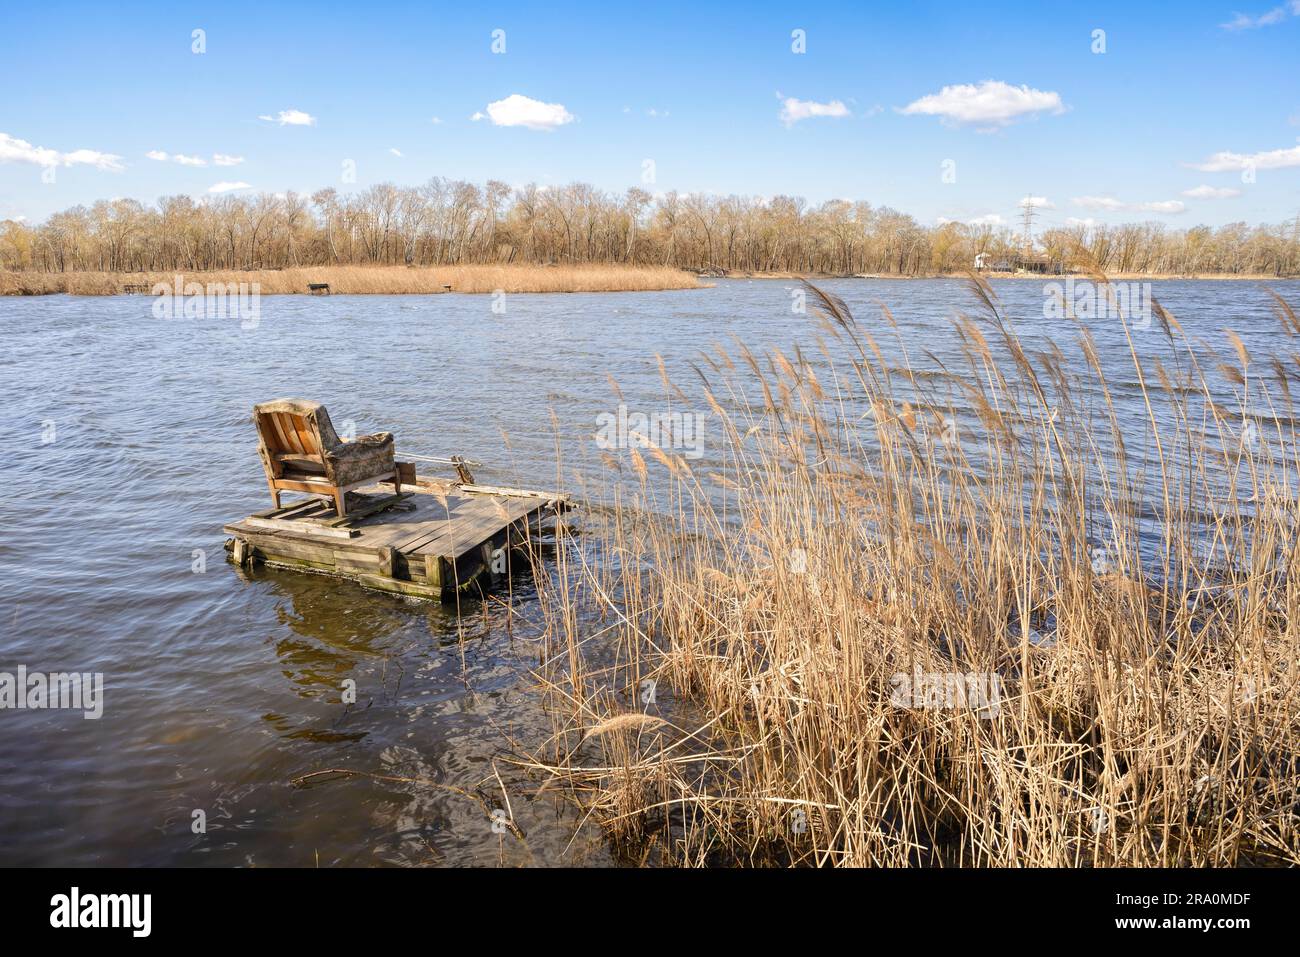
{"x":992,"y":520}
{"x":371,"y":280}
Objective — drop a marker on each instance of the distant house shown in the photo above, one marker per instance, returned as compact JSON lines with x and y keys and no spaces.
{"x":1019,"y":262}
{"x":985,"y":262}
{"x":1037,"y":262}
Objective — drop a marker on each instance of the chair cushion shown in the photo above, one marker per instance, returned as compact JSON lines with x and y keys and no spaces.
{"x":366,"y":457}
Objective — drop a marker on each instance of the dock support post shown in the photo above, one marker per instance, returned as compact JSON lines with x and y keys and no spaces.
{"x":388,"y":561}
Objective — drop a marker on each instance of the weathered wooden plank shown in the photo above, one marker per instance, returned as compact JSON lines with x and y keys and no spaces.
{"x":310,"y":529}
{"x":365,"y":511}
{"x":353,"y":564}
{"x":294,"y":509}
{"x":321,"y":551}
{"x":456,"y":540}
{"x":400,"y":586}
{"x":299,"y":564}
{"x":512,"y":492}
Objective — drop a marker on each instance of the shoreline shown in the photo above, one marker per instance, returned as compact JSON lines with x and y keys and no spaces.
{"x":435,"y":280}
{"x":1120,"y":276}
{"x":365,"y":280}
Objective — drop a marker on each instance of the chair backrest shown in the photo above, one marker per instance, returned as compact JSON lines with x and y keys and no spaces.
{"x":286,"y":433}
{"x":294,"y":432}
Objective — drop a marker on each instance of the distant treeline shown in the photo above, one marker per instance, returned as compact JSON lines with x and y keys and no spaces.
{"x":456,"y":223}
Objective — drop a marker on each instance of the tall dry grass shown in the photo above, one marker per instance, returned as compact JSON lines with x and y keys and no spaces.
{"x":1126,"y":579}
{"x":371,"y":280}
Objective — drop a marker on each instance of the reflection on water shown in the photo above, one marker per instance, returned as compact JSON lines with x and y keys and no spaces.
{"x":222,"y":688}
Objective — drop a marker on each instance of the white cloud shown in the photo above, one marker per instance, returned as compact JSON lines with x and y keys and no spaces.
{"x":226,"y":187}
{"x":1224,"y":160}
{"x":1162,"y":206}
{"x":220,"y":159}
{"x":93,"y":158}
{"x":290,"y":118}
{"x":989,"y":219}
{"x":478,"y":115}
{"x":1112,"y":205}
{"x":1097,"y":202}
{"x":517,"y":110}
{"x":988,"y":105}
{"x":1087,"y":221}
{"x":436,"y":121}
{"x":1038,"y":202}
{"x":395,"y":151}
{"x":1244,"y":21}
{"x":14,"y":150}
{"x":1211,"y":192}
{"x":793,"y":110}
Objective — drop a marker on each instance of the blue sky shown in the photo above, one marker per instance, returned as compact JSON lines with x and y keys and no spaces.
{"x":1012,"y":94}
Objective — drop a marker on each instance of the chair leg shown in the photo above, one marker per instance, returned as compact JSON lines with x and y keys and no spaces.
{"x":339,"y":496}
{"x":275,"y":492}
{"x":397,"y":482}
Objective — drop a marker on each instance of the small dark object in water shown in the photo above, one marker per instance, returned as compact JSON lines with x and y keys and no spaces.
{"x":318,"y":288}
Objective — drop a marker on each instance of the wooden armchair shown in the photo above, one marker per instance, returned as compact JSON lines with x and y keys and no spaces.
{"x":302,"y":453}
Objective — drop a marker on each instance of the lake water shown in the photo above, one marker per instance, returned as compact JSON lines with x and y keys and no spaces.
{"x":128,"y":446}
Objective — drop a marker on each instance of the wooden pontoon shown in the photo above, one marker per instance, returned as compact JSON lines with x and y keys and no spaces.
{"x":371,"y":518}
{"x":432,"y":540}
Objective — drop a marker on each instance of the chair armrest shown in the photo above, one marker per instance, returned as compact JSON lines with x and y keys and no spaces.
{"x":361,"y":443}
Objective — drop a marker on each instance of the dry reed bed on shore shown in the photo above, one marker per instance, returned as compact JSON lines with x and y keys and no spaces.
{"x":1148,"y":708}
{"x":371,"y":280}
